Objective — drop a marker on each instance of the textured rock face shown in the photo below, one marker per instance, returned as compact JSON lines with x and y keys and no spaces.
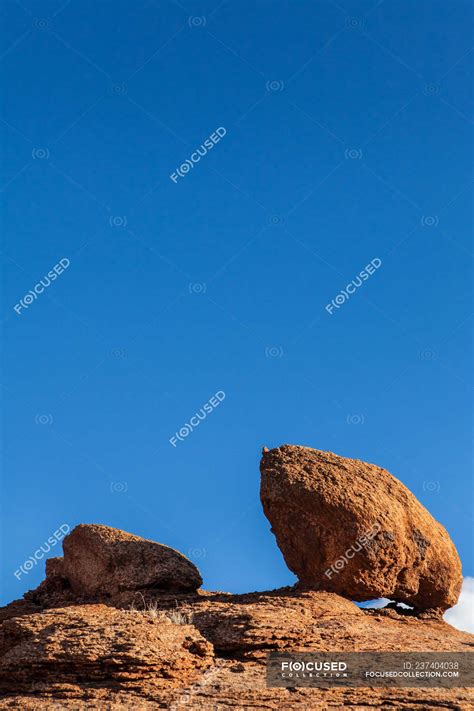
{"x":99,"y":560}
{"x":352,"y":528}
{"x":99,"y":657}
{"x":55,"y":568}
{"x":109,"y":647}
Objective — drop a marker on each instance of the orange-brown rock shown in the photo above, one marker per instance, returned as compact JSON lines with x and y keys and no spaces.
{"x":99,"y":646}
{"x":101,"y":560}
{"x":205,"y":651}
{"x":118,"y":623}
{"x":352,"y":528}
{"x":55,"y":568}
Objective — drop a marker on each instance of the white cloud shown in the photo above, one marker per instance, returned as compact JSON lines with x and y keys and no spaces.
{"x":461,"y":615}
{"x":375,"y":604}
{"x":381,"y":602}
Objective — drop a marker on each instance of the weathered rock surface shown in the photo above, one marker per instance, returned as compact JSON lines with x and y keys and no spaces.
{"x":99,"y":657}
{"x":101,"y":560}
{"x":94,"y":646}
{"x":119,"y":622}
{"x":55,"y":568}
{"x":350,"y":527}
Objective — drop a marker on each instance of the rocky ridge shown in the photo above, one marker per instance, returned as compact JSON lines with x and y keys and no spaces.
{"x":119,"y":622}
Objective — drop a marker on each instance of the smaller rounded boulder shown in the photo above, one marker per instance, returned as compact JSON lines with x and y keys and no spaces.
{"x":100,"y":560}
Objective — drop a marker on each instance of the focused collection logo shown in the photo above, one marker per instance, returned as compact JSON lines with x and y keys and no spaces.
{"x":313,"y":668}
{"x":197,"y":418}
{"x":369,"y":669}
{"x":362,"y":542}
{"x":199,"y":153}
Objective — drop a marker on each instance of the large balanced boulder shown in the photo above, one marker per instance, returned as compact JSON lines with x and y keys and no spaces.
{"x":99,"y":560}
{"x":350,"y":527}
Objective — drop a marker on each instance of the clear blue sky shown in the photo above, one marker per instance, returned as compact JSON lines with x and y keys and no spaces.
{"x":347,"y":139}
